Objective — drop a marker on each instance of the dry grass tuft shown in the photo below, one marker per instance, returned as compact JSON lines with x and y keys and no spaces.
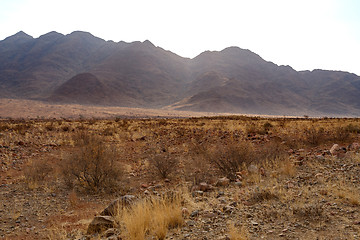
{"x":346,"y":193}
{"x":152,"y":216}
{"x":36,"y":173}
{"x":236,"y":234}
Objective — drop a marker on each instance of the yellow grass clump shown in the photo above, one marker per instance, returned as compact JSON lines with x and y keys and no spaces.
{"x":237,"y":234}
{"x":152,"y":216}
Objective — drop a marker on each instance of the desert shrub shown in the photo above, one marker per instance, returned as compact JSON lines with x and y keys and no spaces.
{"x":314,"y":136}
{"x":22,"y":128}
{"x":37,"y":172}
{"x":267,"y":126}
{"x":342,"y":134}
{"x":92,"y":166}
{"x":352,"y":128}
{"x":197,"y":168}
{"x":308,"y":211}
{"x":262,"y":195}
{"x":109,"y":131}
{"x":272,"y":150}
{"x":164,"y":163}
{"x":66,"y":128}
{"x":230,"y":158}
{"x":50,"y":126}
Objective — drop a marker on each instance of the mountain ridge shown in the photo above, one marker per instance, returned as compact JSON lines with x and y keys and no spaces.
{"x":54,"y":66}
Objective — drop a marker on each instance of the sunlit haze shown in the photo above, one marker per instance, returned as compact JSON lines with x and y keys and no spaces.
{"x":307,"y":35}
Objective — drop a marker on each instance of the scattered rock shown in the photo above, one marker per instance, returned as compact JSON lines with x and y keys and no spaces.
{"x":253,"y":169}
{"x":100,"y":224}
{"x":118,"y":204}
{"x":334,"y":149}
{"x":191,"y":223}
{"x":239,"y":184}
{"x":354,"y":146}
{"x":228,"y":209}
{"x":223,"y":182}
{"x":195,"y":213}
{"x":254,"y":223}
{"x":204,"y":187}
{"x":197,"y":193}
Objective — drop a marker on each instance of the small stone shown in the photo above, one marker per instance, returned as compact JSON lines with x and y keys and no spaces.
{"x":239,"y":184}
{"x":334,"y":149}
{"x":185,"y":212}
{"x":197,"y":193}
{"x":253,"y":169}
{"x":144,"y":185}
{"x":204,"y":187}
{"x":195,"y":213}
{"x":191,"y":223}
{"x":228,"y":209}
{"x":354,"y":146}
{"x":254,"y":223}
{"x":223,"y":182}
{"x":220,"y":194}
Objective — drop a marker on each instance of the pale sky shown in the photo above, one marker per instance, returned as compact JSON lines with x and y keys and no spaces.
{"x":305,"y":34}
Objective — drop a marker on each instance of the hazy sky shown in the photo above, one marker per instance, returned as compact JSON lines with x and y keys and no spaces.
{"x":305,"y":34}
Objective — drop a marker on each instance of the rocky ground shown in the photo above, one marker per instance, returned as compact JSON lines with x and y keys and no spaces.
{"x":313,"y":193}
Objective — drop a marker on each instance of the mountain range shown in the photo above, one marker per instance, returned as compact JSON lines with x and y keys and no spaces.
{"x":84,"y":69}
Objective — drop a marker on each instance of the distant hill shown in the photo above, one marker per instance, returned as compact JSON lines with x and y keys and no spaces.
{"x":81,"y":68}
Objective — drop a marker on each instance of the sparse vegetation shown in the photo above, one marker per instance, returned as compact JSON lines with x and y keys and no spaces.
{"x":230,"y":158}
{"x":284,"y":179}
{"x":152,"y":216}
{"x":93,"y":166}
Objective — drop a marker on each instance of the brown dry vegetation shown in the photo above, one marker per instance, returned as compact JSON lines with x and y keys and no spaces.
{"x":285,"y":183}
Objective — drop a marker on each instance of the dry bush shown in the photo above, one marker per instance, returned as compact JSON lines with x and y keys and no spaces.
{"x":308,"y":211}
{"x":287,"y":167}
{"x":197,"y":167}
{"x":343,"y":134}
{"x":253,"y":128}
{"x":229,"y":159}
{"x":315,"y":136}
{"x":152,"y":216}
{"x":50,"y":126}
{"x":92,"y":166}
{"x":352,"y":128}
{"x":37,"y":172}
{"x":164,"y":162}
{"x":109,"y":131}
{"x":261,"y":195}
{"x":272,"y":150}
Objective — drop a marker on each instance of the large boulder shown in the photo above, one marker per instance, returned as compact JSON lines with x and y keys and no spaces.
{"x":115,"y":206}
{"x":100,"y":224}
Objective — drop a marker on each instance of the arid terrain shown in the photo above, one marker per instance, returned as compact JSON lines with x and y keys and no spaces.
{"x":229,"y":177}
{"x":31,"y":109}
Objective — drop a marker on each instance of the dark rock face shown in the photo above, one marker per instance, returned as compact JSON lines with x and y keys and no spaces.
{"x":81,"y":68}
{"x":116,"y":205}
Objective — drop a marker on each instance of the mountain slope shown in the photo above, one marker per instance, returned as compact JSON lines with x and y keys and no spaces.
{"x":81,"y":68}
